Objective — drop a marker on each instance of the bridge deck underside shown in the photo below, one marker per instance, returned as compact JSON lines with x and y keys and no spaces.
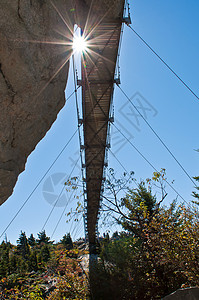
{"x":98,"y":70}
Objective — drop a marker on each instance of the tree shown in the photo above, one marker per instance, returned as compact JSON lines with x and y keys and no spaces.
{"x":138,"y":205}
{"x":115,"y":235}
{"x":67,"y":241}
{"x":4,"y":259}
{"x":195,"y":194}
{"x":45,"y":253}
{"x":160,"y":252}
{"x":43,"y":238}
{"x":33,"y":264}
{"x":141,"y":205}
{"x":13,"y":264}
{"x":22,"y":245}
{"x":31,"y":240}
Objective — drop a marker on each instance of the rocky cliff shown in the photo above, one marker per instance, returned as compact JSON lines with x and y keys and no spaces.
{"x":35,"y":45}
{"x":31,"y":89}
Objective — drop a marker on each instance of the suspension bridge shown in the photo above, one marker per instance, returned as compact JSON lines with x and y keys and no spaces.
{"x":99,"y":73}
{"x":98,"y":77}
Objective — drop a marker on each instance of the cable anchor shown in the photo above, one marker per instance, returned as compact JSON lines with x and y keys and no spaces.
{"x":127,"y":20}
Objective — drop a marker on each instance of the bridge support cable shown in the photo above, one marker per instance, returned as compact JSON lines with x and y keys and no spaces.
{"x":152,"y":166}
{"x":38,"y":184}
{"x":163,"y":61}
{"x":159,"y":138}
{"x":70,"y":198}
{"x":69,"y":176}
{"x":121,"y":164}
{"x":76,"y":227}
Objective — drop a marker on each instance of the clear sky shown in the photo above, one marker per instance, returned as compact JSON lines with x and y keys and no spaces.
{"x":171,"y":28}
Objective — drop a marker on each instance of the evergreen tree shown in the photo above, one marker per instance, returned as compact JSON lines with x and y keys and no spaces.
{"x":22,"y":265}
{"x":31,"y":240}
{"x":45,"y":253}
{"x":159,"y":253}
{"x":4,"y":259}
{"x":13,"y":264}
{"x":195,"y":194}
{"x":43,"y":238}
{"x":22,"y":245}
{"x":67,"y":241}
{"x":115,"y":235}
{"x":140,"y":204}
{"x":33,"y":264}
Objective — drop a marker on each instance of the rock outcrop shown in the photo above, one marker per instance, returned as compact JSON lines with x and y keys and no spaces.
{"x":35,"y":45}
{"x":31,"y":88}
{"x":191,"y":293}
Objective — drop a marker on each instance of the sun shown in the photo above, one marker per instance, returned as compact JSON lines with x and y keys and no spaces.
{"x":79,"y":44}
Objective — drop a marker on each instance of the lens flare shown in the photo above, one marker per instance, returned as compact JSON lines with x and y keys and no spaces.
{"x":79,"y":44}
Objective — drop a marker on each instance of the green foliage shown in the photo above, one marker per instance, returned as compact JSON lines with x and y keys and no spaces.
{"x":26,"y":287}
{"x":71,"y":281}
{"x":195,"y":194}
{"x":45,"y":253}
{"x":22,"y":245}
{"x":31,"y":240}
{"x":43,"y":238}
{"x":159,"y":252}
{"x":4,"y":259}
{"x":156,"y":253}
{"x":33,"y":261}
{"x":31,"y":276}
{"x":140,"y":204}
{"x":67,"y":241}
{"x":115,"y":235}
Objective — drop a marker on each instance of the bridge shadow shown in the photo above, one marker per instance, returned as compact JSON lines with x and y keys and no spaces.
{"x":99,"y":280}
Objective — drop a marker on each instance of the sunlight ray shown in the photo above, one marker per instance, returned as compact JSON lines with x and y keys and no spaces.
{"x":88,"y":16}
{"x":55,"y":74}
{"x":63,"y":19}
{"x":98,"y":23}
{"x":89,"y":88}
{"x":89,"y":57}
{"x":63,"y":34}
{"x":44,"y":42}
{"x":93,"y":42}
{"x":94,"y":53}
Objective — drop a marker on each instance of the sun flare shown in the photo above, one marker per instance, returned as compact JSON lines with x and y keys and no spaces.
{"x":79,"y":44}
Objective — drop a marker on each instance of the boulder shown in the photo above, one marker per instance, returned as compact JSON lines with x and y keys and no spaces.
{"x":191,"y":293}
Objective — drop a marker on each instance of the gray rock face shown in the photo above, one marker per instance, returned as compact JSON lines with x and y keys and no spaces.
{"x":35,"y":42}
{"x":31,"y":89}
{"x":184,"y":294}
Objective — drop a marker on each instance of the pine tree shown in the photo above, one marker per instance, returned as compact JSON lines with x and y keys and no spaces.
{"x":4,"y":259}
{"x":67,"y":241}
{"x":43,"y":238}
{"x":115,"y":235}
{"x":13,"y":264}
{"x":195,"y":194}
{"x":45,"y":253}
{"x":31,"y":240}
{"x":140,"y":204}
{"x":22,"y":245}
{"x":32,"y":263}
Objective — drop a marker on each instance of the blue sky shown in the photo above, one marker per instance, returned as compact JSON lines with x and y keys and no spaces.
{"x":171,"y":28}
